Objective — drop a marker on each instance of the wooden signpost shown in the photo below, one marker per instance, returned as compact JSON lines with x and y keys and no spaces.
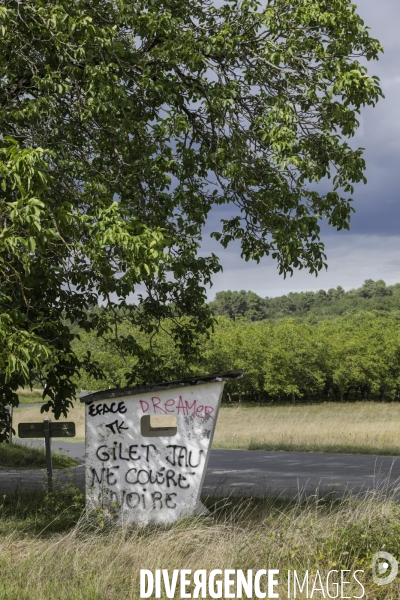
{"x":47,"y":429}
{"x":8,"y":413}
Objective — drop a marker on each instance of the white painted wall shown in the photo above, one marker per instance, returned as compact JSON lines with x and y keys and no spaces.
{"x":150,"y":479}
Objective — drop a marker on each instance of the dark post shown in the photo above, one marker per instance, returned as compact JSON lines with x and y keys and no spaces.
{"x":9,"y":411}
{"x":10,"y":437}
{"x":49,"y":463}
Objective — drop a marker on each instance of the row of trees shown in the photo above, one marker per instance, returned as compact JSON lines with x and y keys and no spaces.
{"x":313,"y":306}
{"x":357,"y":356}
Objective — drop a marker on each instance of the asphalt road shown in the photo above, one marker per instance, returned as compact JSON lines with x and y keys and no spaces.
{"x":254,"y":473}
{"x":289,"y":474}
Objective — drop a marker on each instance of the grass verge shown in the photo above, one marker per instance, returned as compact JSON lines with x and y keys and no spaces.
{"x":49,"y":550}
{"x":14,"y":456}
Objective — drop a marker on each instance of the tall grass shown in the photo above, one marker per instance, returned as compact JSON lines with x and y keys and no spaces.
{"x":96,"y":562}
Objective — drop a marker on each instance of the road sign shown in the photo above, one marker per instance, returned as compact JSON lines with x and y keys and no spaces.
{"x":36,"y":430}
{"x":47,"y":429}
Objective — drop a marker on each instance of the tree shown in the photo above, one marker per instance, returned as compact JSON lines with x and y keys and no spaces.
{"x":160,"y":360}
{"x":238,"y":345}
{"x":123,"y":123}
{"x":292,"y":361}
{"x":238,"y":304}
{"x":361,"y":353}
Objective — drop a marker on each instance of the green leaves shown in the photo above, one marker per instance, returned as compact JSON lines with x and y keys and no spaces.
{"x":124,"y":123}
{"x":288,"y":358}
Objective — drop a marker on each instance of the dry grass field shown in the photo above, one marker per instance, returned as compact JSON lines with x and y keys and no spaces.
{"x":27,"y":396}
{"x":103,"y":563}
{"x":360,"y":427}
{"x":29,"y":414}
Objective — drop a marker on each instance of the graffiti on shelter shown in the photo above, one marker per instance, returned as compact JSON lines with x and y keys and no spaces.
{"x":147,"y":453}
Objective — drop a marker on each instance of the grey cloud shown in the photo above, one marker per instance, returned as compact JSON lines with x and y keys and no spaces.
{"x":371,"y":248}
{"x":377,"y":204}
{"x":351,"y":260}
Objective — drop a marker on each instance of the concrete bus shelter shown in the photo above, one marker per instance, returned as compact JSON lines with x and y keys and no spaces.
{"x":147,"y":448}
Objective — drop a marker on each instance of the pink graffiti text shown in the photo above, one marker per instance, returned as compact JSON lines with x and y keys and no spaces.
{"x":177,"y":407}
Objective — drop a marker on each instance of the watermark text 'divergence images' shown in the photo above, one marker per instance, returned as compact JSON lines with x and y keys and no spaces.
{"x":231,"y":583}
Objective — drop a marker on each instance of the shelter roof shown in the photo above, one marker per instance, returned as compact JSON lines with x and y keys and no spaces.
{"x":155,"y":387}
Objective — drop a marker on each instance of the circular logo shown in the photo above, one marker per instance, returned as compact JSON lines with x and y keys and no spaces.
{"x":384,"y":563}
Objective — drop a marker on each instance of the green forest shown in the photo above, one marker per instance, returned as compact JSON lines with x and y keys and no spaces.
{"x":310,"y":306}
{"x":302,"y":347}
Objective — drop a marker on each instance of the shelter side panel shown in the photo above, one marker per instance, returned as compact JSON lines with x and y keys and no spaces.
{"x":146,"y":454}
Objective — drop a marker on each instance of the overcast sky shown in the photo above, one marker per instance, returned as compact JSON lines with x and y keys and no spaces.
{"x":371,"y":249}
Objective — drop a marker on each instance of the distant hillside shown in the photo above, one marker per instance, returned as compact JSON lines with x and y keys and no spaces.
{"x":310,"y":306}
